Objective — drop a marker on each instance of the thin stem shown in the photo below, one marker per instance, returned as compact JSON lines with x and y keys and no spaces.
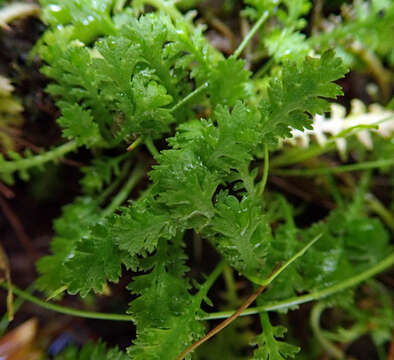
{"x":152,"y":148}
{"x":315,"y":295}
{"x":168,"y":8}
{"x":135,"y":144}
{"x":251,"y":33}
{"x":377,"y":207}
{"x":210,"y":280}
{"x":4,"y":322}
{"x":187,"y":98}
{"x":270,"y":306}
{"x":8,"y":167}
{"x":263,"y":182}
{"x":334,"y":170}
{"x":331,"y":349}
{"x":264,"y":69}
{"x":110,"y":189}
{"x":263,"y":284}
{"x":119,"y":5}
{"x":334,"y":190}
{"x":358,"y":203}
{"x":294,"y":156}
{"x":69,"y":311}
{"x":283,"y":267}
{"x":230,"y":285}
{"x":224,"y":323}
{"x":123,"y":194}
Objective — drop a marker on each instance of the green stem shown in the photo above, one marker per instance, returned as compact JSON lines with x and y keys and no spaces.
{"x":230,"y":286}
{"x":295,"y":155}
{"x":4,"y":322}
{"x":251,"y":33}
{"x":331,"y":349}
{"x":210,"y":280}
{"x":377,"y":207}
{"x":264,"y":69}
{"x":334,"y":170}
{"x":334,"y":190}
{"x":187,"y":98}
{"x":169,"y":9}
{"x":69,"y":311}
{"x":110,"y":189}
{"x":314,"y":295}
{"x":263,"y":182}
{"x":119,"y":5}
{"x":135,"y":144}
{"x":271,"y":306}
{"x":283,"y":267}
{"x":37,"y":160}
{"x":152,"y":148}
{"x":123,"y":194}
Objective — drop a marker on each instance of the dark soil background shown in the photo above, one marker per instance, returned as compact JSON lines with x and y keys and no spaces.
{"x":28,"y":209}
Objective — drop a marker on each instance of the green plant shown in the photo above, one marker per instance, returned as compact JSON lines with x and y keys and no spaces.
{"x":121,"y":76}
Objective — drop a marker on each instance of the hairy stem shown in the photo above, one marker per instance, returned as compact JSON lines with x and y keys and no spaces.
{"x":187,"y":98}
{"x":223,"y":324}
{"x":210,"y":281}
{"x":11,"y":166}
{"x":230,"y":285}
{"x":263,"y":182}
{"x":379,"y":208}
{"x":123,"y":194}
{"x":110,"y":189}
{"x":269,"y":306}
{"x":295,"y":155}
{"x":263,"y":284}
{"x":315,"y":295}
{"x":151,"y":147}
{"x":334,"y":170}
{"x":251,"y":33}
{"x":284,"y":266}
{"x":168,"y":8}
{"x":331,"y":349}
{"x":69,"y":311}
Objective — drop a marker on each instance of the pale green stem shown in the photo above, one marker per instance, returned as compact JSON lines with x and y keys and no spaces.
{"x":137,"y":174}
{"x":334,"y":170}
{"x":271,"y":306}
{"x":377,"y":207}
{"x":109,"y":190}
{"x":210,"y":280}
{"x":135,"y":144}
{"x":264,"y":69}
{"x":187,"y":98}
{"x":230,"y":285}
{"x":263,"y":182}
{"x":314,"y":295}
{"x":169,"y":9}
{"x":251,"y":33}
{"x":4,"y":322}
{"x":69,"y":311}
{"x":331,"y":349}
{"x":283,"y":267}
{"x":11,"y":166}
{"x":152,"y":148}
{"x":295,"y":156}
{"x":119,"y":5}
